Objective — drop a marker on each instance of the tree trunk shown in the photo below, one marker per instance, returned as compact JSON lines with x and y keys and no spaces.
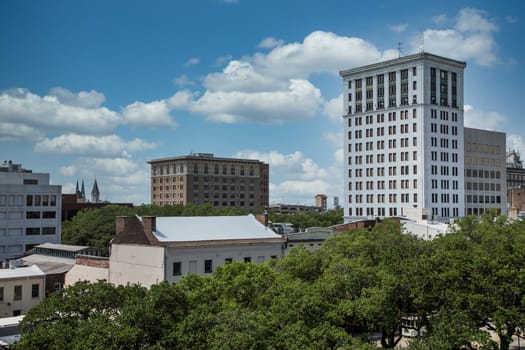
{"x":388,"y":339}
{"x":504,"y":341}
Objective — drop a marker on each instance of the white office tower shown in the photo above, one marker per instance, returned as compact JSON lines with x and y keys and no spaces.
{"x":404,"y":138}
{"x":30,"y":210}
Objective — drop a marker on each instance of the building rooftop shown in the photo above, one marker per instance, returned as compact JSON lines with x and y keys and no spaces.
{"x":49,"y":264}
{"x":211,"y":228}
{"x":203,"y":156}
{"x":64,"y":247}
{"x":21,"y":272}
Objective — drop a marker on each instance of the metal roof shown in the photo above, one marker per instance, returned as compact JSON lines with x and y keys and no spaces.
{"x":64,"y":247}
{"x":21,"y":272}
{"x":211,"y":228}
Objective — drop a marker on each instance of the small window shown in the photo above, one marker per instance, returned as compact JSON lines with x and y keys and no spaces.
{"x":1,"y":293}
{"x":35,"y":290}
{"x":18,"y":293}
{"x":228,"y":260}
{"x":177,"y":268}
{"x":57,"y":286}
{"x":247,"y":259}
{"x":208,"y":266}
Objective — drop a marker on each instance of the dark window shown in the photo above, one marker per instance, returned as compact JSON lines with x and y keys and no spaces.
{"x":35,"y":290}
{"x":177,"y":268}
{"x":33,"y":215}
{"x":208,"y":266}
{"x":1,"y":293}
{"x":49,"y":215}
{"x":18,"y":293}
{"x":30,"y":182}
{"x":32,"y":231}
{"x":29,"y":200}
{"x":48,"y":230}
{"x":247,"y":259}
{"x":228,"y":260}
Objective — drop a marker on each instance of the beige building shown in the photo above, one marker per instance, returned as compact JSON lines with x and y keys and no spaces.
{"x":20,"y":289}
{"x":485,"y":171}
{"x":204,"y":179}
{"x":149,"y":250}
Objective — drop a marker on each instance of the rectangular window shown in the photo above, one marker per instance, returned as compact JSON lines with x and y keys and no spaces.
{"x":35,"y":290}
{"x":30,"y":182}
{"x":48,"y":230}
{"x":32,"y":231}
{"x":247,"y":259}
{"x":33,"y":215}
{"x":18,"y":293}
{"x":29,"y":200}
{"x":208,"y":266}
{"x":1,"y":294}
{"x":57,"y":286}
{"x":177,"y":268}
{"x":49,"y":215}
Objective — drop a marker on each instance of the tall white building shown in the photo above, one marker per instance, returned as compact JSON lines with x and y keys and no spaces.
{"x":404,"y":138}
{"x":30,"y":210}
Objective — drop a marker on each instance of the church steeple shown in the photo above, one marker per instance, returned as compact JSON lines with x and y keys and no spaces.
{"x":83,"y":192}
{"x":95,"y":193}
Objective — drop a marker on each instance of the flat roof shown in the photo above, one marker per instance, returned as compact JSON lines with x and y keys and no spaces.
{"x":65,"y":247}
{"x":49,"y":264}
{"x":211,"y":228}
{"x":21,"y":272}
{"x":204,"y":158}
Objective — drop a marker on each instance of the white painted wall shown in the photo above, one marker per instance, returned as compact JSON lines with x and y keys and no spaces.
{"x":136,"y":264}
{"x":8,"y":305}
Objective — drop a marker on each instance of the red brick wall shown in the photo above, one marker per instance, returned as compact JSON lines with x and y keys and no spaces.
{"x":91,"y":261}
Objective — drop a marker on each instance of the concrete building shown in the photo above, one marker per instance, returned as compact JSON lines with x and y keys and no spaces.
{"x":321,"y":201}
{"x":149,"y":250}
{"x":204,"y":179}
{"x":485,"y":172}
{"x":280,"y":208}
{"x":88,"y":268}
{"x":20,"y":289}
{"x":404,"y":140}
{"x":30,"y":209}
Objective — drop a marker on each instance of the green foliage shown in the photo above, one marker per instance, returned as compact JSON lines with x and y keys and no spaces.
{"x":310,"y":219}
{"x":359,"y":281}
{"x":96,"y":227}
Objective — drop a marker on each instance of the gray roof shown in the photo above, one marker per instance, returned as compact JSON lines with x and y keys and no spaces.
{"x":64,"y":247}
{"x":211,"y":228}
{"x":21,"y":272}
{"x":49,"y":264}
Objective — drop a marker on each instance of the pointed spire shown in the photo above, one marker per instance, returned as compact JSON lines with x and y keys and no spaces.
{"x":95,"y":193}
{"x":77,"y":191}
{"x":83,"y":192}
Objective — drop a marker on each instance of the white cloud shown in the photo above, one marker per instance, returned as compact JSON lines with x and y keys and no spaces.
{"x":472,"y":38}
{"x":339,"y":156}
{"x":183,"y":80}
{"x":21,"y":107}
{"x":221,"y":60}
{"x":68,"y":170}
{"x":334,"y":138}
{"x":516,"y":142}
{"x":241,"y":76}
{"x":299,"y":101}
{"x":320,"y":52}
{"x":192,"y":61}
{"x":18,"y":133}
{"x":398,"y":28}
{"x":483,"y":120}
{"x":152,"y":114}
{"x":104,"y":146}
{"x":84,"y":99}
{"x":512,"y":19}
{"x":440,"y":19}
{"x":270,"y":43}
{"x":333,"y":109}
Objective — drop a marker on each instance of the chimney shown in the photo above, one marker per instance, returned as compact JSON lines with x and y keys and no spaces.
{"x":263,"y":218}
{"x":120,"y":223}
{"x":150,"y":224}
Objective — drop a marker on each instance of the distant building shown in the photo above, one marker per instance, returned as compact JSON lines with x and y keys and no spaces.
{"x":485,"y":172}
{"x":30,"y":209}
{"x":336,"y":202}
{"x":20,"y":289}
{"x":149,"y":250}
{"x":73,"y":203}
{"x":321,"y":201}
{"x":292,"y":208}
{"x":204,"y":179}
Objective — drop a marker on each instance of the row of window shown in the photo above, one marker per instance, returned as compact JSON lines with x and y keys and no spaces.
{"x":492,"y":174}
{"x":17,"y":292}
{"x":36,"y":231}
{"x":380,"y":117}
{"x":392,"y":198}
{"x":392,"y":171}
{"x":483,"y":199}
{"x":17,"y":200}
{"x":41,"y":214}
{"x":208,"y":264}
{"x":392,"y":184}
{"x":370,"y":211}
{"x":202,"y":168}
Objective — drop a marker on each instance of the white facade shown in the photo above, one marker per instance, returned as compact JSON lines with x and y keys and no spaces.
{"x":404,"y":138}
{"x":20,"y":289}
{"x":149,"y":250}
{"x":30,"y":210}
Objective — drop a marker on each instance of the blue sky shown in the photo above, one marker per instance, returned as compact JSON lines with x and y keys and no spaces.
{"x":97,"y":88}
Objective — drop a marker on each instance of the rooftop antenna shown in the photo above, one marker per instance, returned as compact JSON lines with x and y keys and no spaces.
{"x":399,"y":48}
{"x":422,"y":48}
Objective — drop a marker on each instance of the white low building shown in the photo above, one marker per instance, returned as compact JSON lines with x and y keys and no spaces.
{"x":149,"y":250}
{"x":21,"y":288}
